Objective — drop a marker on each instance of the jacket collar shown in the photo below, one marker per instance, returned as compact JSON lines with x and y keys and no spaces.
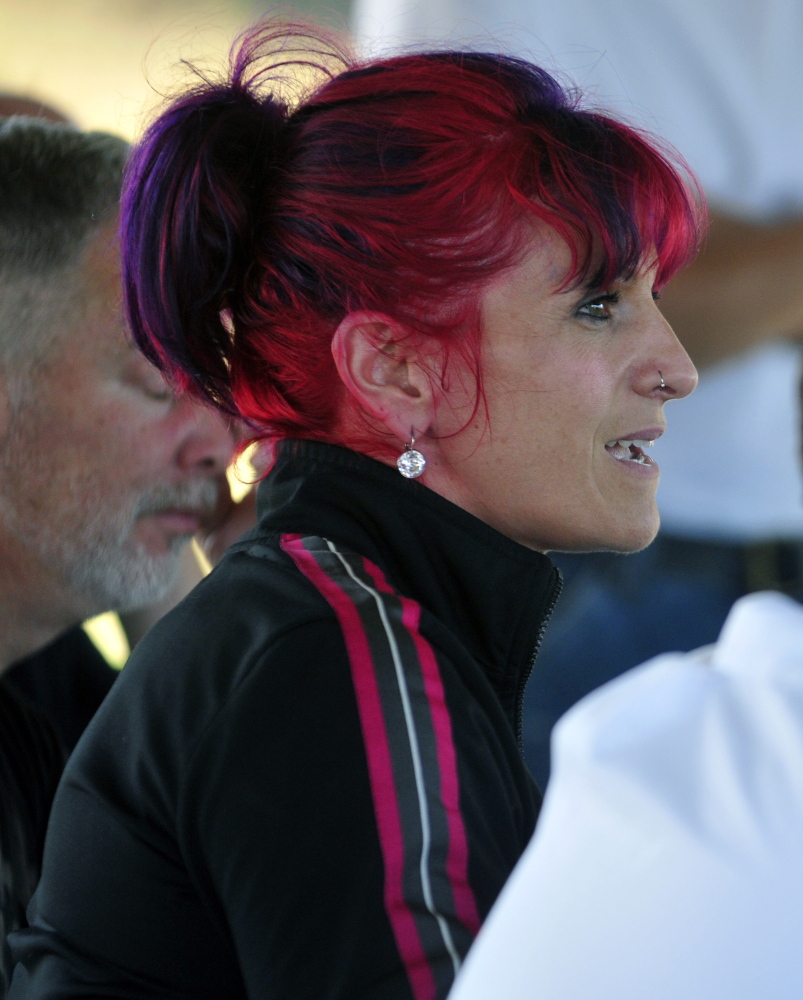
{"x":492,"y":593}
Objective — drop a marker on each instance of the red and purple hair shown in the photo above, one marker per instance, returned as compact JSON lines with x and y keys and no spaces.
{"x":251,"y":229}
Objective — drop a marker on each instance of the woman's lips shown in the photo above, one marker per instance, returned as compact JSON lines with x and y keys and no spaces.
{"x":631,"y":448}
{"x":625,"y":450}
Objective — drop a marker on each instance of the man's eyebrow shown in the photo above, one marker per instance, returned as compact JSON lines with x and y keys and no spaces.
{"x":127,"y":348}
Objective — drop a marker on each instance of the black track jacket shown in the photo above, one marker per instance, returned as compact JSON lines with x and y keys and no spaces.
{"x":307,"y":783}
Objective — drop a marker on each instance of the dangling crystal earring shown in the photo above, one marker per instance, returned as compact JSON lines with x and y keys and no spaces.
{"x":411,"y":463}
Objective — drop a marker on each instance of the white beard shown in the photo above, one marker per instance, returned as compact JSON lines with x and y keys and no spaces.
{"x":94,"y":553}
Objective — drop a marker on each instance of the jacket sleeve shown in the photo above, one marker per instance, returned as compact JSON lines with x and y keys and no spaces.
{"x":324,"y":813}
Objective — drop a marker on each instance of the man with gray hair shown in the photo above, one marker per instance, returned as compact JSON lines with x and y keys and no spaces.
{"x":105,"y":474}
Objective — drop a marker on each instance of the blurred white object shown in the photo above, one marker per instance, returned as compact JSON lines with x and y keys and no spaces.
{"x":668,"y":860}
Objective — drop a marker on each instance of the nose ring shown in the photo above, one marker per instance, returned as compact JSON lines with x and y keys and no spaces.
{"x":662,"y":384}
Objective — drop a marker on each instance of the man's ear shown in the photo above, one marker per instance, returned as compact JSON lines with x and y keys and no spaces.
{"x":382,"y":367}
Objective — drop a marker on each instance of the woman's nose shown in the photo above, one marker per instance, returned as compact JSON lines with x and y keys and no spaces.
{"x":670,"y":373}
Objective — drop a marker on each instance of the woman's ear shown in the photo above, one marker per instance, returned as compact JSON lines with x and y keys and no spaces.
{"x":382,"y":367}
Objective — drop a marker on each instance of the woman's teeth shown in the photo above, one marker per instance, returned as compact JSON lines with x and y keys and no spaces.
{"x":630,"y":451}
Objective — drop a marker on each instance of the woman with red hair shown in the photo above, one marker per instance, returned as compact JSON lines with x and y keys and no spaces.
{"x":429,"y":287}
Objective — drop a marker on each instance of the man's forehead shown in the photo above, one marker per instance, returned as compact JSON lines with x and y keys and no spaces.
{"x":102,"y":255}
{"x":101,"y":284}
{"x":96,"y":329}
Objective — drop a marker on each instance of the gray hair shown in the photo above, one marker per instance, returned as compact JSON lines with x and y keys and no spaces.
{"x":58,"y":187}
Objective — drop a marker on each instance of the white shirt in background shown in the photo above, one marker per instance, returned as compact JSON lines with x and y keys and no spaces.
{"x":668,"y":860}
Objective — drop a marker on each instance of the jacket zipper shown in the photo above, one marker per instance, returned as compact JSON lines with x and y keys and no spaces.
{"x":529,"y":669}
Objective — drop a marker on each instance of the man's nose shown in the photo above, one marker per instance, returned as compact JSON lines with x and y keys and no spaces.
{"x":209,"y":440}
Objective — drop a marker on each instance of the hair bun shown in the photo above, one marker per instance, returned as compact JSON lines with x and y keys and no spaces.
{"x":196,"y":191}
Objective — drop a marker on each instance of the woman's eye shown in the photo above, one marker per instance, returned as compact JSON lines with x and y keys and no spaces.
{"x":599,"y":308}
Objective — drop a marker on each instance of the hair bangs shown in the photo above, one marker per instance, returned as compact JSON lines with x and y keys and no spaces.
{"x":620,"y":201}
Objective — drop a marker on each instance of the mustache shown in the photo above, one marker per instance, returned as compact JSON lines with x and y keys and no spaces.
{"x":199,"y":495}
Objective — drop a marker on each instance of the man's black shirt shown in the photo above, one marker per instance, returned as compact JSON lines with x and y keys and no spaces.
{"x":46,"y":702}
{"x":31,"y":761}
{"x":66,"y":681}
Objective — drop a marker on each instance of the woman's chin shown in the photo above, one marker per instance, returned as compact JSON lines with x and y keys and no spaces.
{"x":625,"y":535}
{"x":632,"y":537}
